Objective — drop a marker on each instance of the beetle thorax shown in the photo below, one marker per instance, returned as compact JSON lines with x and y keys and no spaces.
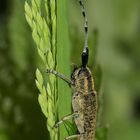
{"x":82,"y":80}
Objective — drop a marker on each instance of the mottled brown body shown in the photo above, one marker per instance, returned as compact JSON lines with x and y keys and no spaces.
{"x":84,"y":103}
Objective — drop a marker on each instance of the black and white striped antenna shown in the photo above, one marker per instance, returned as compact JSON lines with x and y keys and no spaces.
{"x":85,"y":49}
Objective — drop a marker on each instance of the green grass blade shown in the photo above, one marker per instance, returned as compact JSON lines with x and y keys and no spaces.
{"x":63,"y":64}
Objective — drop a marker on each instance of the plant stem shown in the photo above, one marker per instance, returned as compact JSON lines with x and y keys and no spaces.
{"x":63,"y":63}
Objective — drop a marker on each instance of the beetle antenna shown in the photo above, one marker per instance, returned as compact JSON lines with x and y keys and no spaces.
{"x":85,"y":49}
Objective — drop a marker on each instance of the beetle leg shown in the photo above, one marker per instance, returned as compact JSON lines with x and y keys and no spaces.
{"x":63,"y":77}
{"x":72,"y":137}
{"x":68,"y":117}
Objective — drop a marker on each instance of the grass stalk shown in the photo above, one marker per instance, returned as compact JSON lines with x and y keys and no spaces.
{"x":44,"y":34}
{"x":63,"y":64}
{"x":54,"y":97}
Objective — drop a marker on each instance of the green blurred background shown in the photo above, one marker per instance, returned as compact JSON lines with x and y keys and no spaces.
{"x":117,"y":26}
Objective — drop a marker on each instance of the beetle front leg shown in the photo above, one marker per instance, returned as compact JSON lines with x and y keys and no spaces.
{"x":63,"y":77}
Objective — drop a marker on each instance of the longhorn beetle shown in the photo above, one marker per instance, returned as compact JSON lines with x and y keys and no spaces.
{"x":84,"y":99}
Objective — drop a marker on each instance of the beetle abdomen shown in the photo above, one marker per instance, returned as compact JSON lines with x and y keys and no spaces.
{"x":90,"y":105}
